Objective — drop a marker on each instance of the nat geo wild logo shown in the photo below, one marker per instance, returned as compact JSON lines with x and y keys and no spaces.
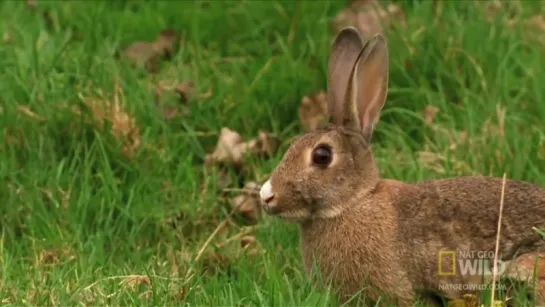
{"x":468,"y":263}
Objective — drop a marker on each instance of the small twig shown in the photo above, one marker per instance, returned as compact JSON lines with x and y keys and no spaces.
{"x":190,"y":274}
{"x":210,"y":238}
{"x":495,"y":272}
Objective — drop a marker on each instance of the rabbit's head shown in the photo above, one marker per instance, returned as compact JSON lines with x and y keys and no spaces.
{"x":323,"y":170}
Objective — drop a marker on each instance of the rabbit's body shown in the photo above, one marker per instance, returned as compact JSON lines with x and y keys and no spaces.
{"x":361,"y":230}
{"x":390,"y":245}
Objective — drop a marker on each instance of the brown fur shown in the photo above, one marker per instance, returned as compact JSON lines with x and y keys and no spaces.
{"x":386,"y":235}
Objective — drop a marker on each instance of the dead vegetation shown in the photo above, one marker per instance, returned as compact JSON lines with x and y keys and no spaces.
{"x":370,"y":17}
{"x":149,"y":54}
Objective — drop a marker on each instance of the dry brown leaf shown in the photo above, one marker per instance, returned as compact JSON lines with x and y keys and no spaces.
{"x":471,"y":300}
{"x":247,"y":203}
{"x":148,"y":54}
{"x":313,"y":111}
{"x":123,"y":124}
{"x":368,"y":16}
{"x":32,"y":4}
{"x":224,"y":179}
{"x":536,"y":22}
{"x":264,"y":145}
{"x":169,"y":111}
{"x":429,"y":113}
{"x":250,"y":245}
{"x":49,"y":256}
{"x":231,"y":149}
{"x":529,"y":268}
{"x":185,"y":90}
{"x":492,"y":9}
{"x":52,"y":256}
{"x":247,"y":240}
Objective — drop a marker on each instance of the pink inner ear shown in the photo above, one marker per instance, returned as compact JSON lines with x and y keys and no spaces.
{"x":372,"y":85}
{"x":369,"y":115}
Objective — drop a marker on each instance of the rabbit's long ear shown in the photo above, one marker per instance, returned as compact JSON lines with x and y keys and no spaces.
{"x":345,"y":53}
{"x":371,"y":83}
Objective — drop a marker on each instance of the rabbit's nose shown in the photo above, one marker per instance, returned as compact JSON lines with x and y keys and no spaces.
{"x":266,"y":192}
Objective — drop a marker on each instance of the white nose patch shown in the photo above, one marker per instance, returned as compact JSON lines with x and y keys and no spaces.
{"x":266,"y":191}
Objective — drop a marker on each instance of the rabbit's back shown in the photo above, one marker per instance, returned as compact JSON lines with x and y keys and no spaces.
{"x":467,"y":210}
{"x":461,"y":214}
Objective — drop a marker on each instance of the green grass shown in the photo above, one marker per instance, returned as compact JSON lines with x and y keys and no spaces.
{"x":78,"y":217}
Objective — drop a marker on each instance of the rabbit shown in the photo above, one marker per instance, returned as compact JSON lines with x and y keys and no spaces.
{"x":379,"y":237}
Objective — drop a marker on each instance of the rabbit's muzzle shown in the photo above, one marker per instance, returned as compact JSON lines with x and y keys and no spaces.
{"x":267,"y":198}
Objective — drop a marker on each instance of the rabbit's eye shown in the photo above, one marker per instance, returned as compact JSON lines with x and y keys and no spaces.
{"x":322,"y":155}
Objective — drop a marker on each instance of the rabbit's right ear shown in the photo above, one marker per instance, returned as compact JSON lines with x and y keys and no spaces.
{"x":371,"y":81}
{"x":346,"y":51}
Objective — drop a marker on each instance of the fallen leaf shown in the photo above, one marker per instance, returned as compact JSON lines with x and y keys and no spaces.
{"x":313,"y":111}
{"x":231,"y":148}
{"x":246,"y":204}
{"x":148,"y":54}
{"x":185,"y":90}
{"x":264,"y":145}
{"x":247,"y":240}
{"x":123,"y":125}
{"x":49,"y":256}
{"x":536,"y":22}
{"x":250,"y":245}
{"x":429,"y":113}
{"x":471,"y":300}
{"x":52,"y":256}
{"x":223,"y":181}
{"x":529,"y":268}
{"x":368,"y":16}
{"x":492,"y":9}
{"x":32,"y":4}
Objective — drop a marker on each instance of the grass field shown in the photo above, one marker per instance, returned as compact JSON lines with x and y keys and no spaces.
{"x":117,"y":213}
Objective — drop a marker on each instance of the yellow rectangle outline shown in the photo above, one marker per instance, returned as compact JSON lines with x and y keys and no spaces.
{"x":447,"y":252}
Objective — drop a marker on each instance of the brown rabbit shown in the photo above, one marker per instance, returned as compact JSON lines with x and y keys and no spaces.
{"x":384,"y":237}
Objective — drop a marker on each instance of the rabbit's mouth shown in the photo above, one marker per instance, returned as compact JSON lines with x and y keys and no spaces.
{"x":270,"y":209}
{"x":273,"y":205}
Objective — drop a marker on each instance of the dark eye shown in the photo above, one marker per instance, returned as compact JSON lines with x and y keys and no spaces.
{"x":322,"y":155}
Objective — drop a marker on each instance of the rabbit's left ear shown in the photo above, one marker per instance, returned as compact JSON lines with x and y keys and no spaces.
{"x":370,"y":84}
{"x":345,"y":53}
